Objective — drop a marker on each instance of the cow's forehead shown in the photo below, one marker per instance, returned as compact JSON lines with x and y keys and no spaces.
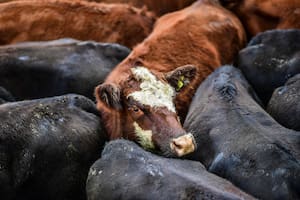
{"x":153,"y":92}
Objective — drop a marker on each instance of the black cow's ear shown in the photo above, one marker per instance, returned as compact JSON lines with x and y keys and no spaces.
{"x":181,"y":76}
{"x":109,"y":94}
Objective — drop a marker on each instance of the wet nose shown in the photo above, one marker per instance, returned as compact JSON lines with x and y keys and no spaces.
{"x":183,"y":145}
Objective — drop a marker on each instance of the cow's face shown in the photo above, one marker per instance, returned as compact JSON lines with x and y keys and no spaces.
{"x":147,"y":113}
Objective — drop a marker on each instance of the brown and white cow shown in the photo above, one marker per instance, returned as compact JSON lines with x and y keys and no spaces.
{"x":43,"y":20}
{"x":261,"y":15}
{"x":140,"y":97}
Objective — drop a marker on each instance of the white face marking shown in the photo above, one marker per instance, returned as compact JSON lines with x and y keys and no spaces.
{"x":153,"y":92}
{"x":144,"y":136}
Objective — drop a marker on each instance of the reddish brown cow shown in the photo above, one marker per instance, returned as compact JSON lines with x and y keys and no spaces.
{"x":159,"y":7}
{"x":39,"y":20}
{"x":137,"y":100}
{"x":261,"y":15}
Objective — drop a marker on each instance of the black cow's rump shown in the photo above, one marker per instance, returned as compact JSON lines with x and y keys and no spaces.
{"x":126,"y":171}
{"x":284,"y":104}
{"x":270,"y":59}
{"x":43,"y":69}
{"x":239,"y":141}
{"x":47,"y":147}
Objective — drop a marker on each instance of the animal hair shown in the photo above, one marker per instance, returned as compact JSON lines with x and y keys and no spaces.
{"x":153,"y":92}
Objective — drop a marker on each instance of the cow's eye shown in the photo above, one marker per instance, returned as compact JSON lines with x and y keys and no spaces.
{"x":136,"y":109}
{"x":136,"y":112}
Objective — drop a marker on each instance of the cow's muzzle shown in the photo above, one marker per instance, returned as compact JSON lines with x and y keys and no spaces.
{"x":183,"y":145}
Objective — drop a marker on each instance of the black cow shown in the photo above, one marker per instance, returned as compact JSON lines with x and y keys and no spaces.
{"x":126,"y":171}
{"x":270,"y":59}
{"x":239,"y":141}
{"x":44,"y":69}
{"x":284,"y":105}
{"x":47,"y":147}
{"x":5,"y":96}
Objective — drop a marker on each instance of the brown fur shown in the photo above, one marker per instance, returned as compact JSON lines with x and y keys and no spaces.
{"x":261,"y":15}
{"x":40,"y":20}
{"x":205,"y":35}
{"x":159,"y":7}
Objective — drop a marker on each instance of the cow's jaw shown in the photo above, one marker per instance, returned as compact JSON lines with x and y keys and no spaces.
{"x":144,"y":137}
{"x":153,"y":92}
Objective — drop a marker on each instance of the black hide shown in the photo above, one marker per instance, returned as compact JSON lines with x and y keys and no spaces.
{"x":5,"y":96}
{"x":44,"y":69}
{"x":47,"y":147}
{"x":126,"y":171}
{"x":284,"y":105}
{"x":270,"y":59}
{"x":239,"y":141}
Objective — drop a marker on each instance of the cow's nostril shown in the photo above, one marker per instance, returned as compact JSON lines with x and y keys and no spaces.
{"x":183,"y":145}
{"x":178,"y":144}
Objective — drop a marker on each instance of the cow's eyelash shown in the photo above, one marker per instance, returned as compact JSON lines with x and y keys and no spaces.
{"x":136,"y":109}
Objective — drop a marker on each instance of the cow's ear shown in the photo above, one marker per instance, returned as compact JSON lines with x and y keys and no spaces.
{"x":109,"y":94}
{"x":181,"y":76}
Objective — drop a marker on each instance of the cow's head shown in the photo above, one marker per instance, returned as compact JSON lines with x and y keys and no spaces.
{"x":142,"y":109}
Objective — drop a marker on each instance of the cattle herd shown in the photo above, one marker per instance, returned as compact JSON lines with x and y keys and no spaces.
{"x":149,"y":99}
